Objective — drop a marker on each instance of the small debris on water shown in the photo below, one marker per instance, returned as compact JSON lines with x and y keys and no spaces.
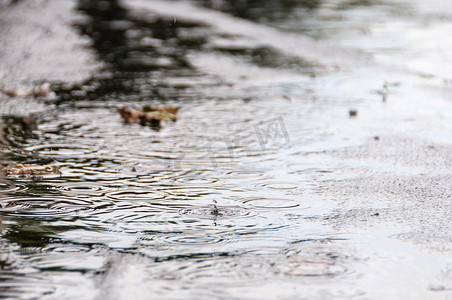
{"x":377,"y":138}
{"x":352,"y":112}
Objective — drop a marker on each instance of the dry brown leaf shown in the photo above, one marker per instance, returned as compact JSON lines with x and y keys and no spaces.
{"x":31,"y":169}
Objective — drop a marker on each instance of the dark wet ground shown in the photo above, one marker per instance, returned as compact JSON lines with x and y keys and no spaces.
{"x":265,"y":187}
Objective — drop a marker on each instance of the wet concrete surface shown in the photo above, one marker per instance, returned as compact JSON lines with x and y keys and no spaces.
{"x":345,"y":207}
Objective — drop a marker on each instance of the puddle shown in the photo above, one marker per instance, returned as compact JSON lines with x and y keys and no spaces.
{"x":228,"y":201}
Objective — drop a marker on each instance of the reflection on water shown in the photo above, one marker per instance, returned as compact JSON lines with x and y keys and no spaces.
{"x":261,"y":11}
{"x":227,"y":194}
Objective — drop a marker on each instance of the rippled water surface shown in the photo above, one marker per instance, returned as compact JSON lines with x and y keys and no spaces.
{"x":226,"y":202}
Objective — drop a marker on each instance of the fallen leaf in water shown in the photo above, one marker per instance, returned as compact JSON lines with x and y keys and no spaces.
{"x":42,"y":90}
{"x":149,"y":115}
{"x":31,"y":169}
{"x":352,"y":112}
